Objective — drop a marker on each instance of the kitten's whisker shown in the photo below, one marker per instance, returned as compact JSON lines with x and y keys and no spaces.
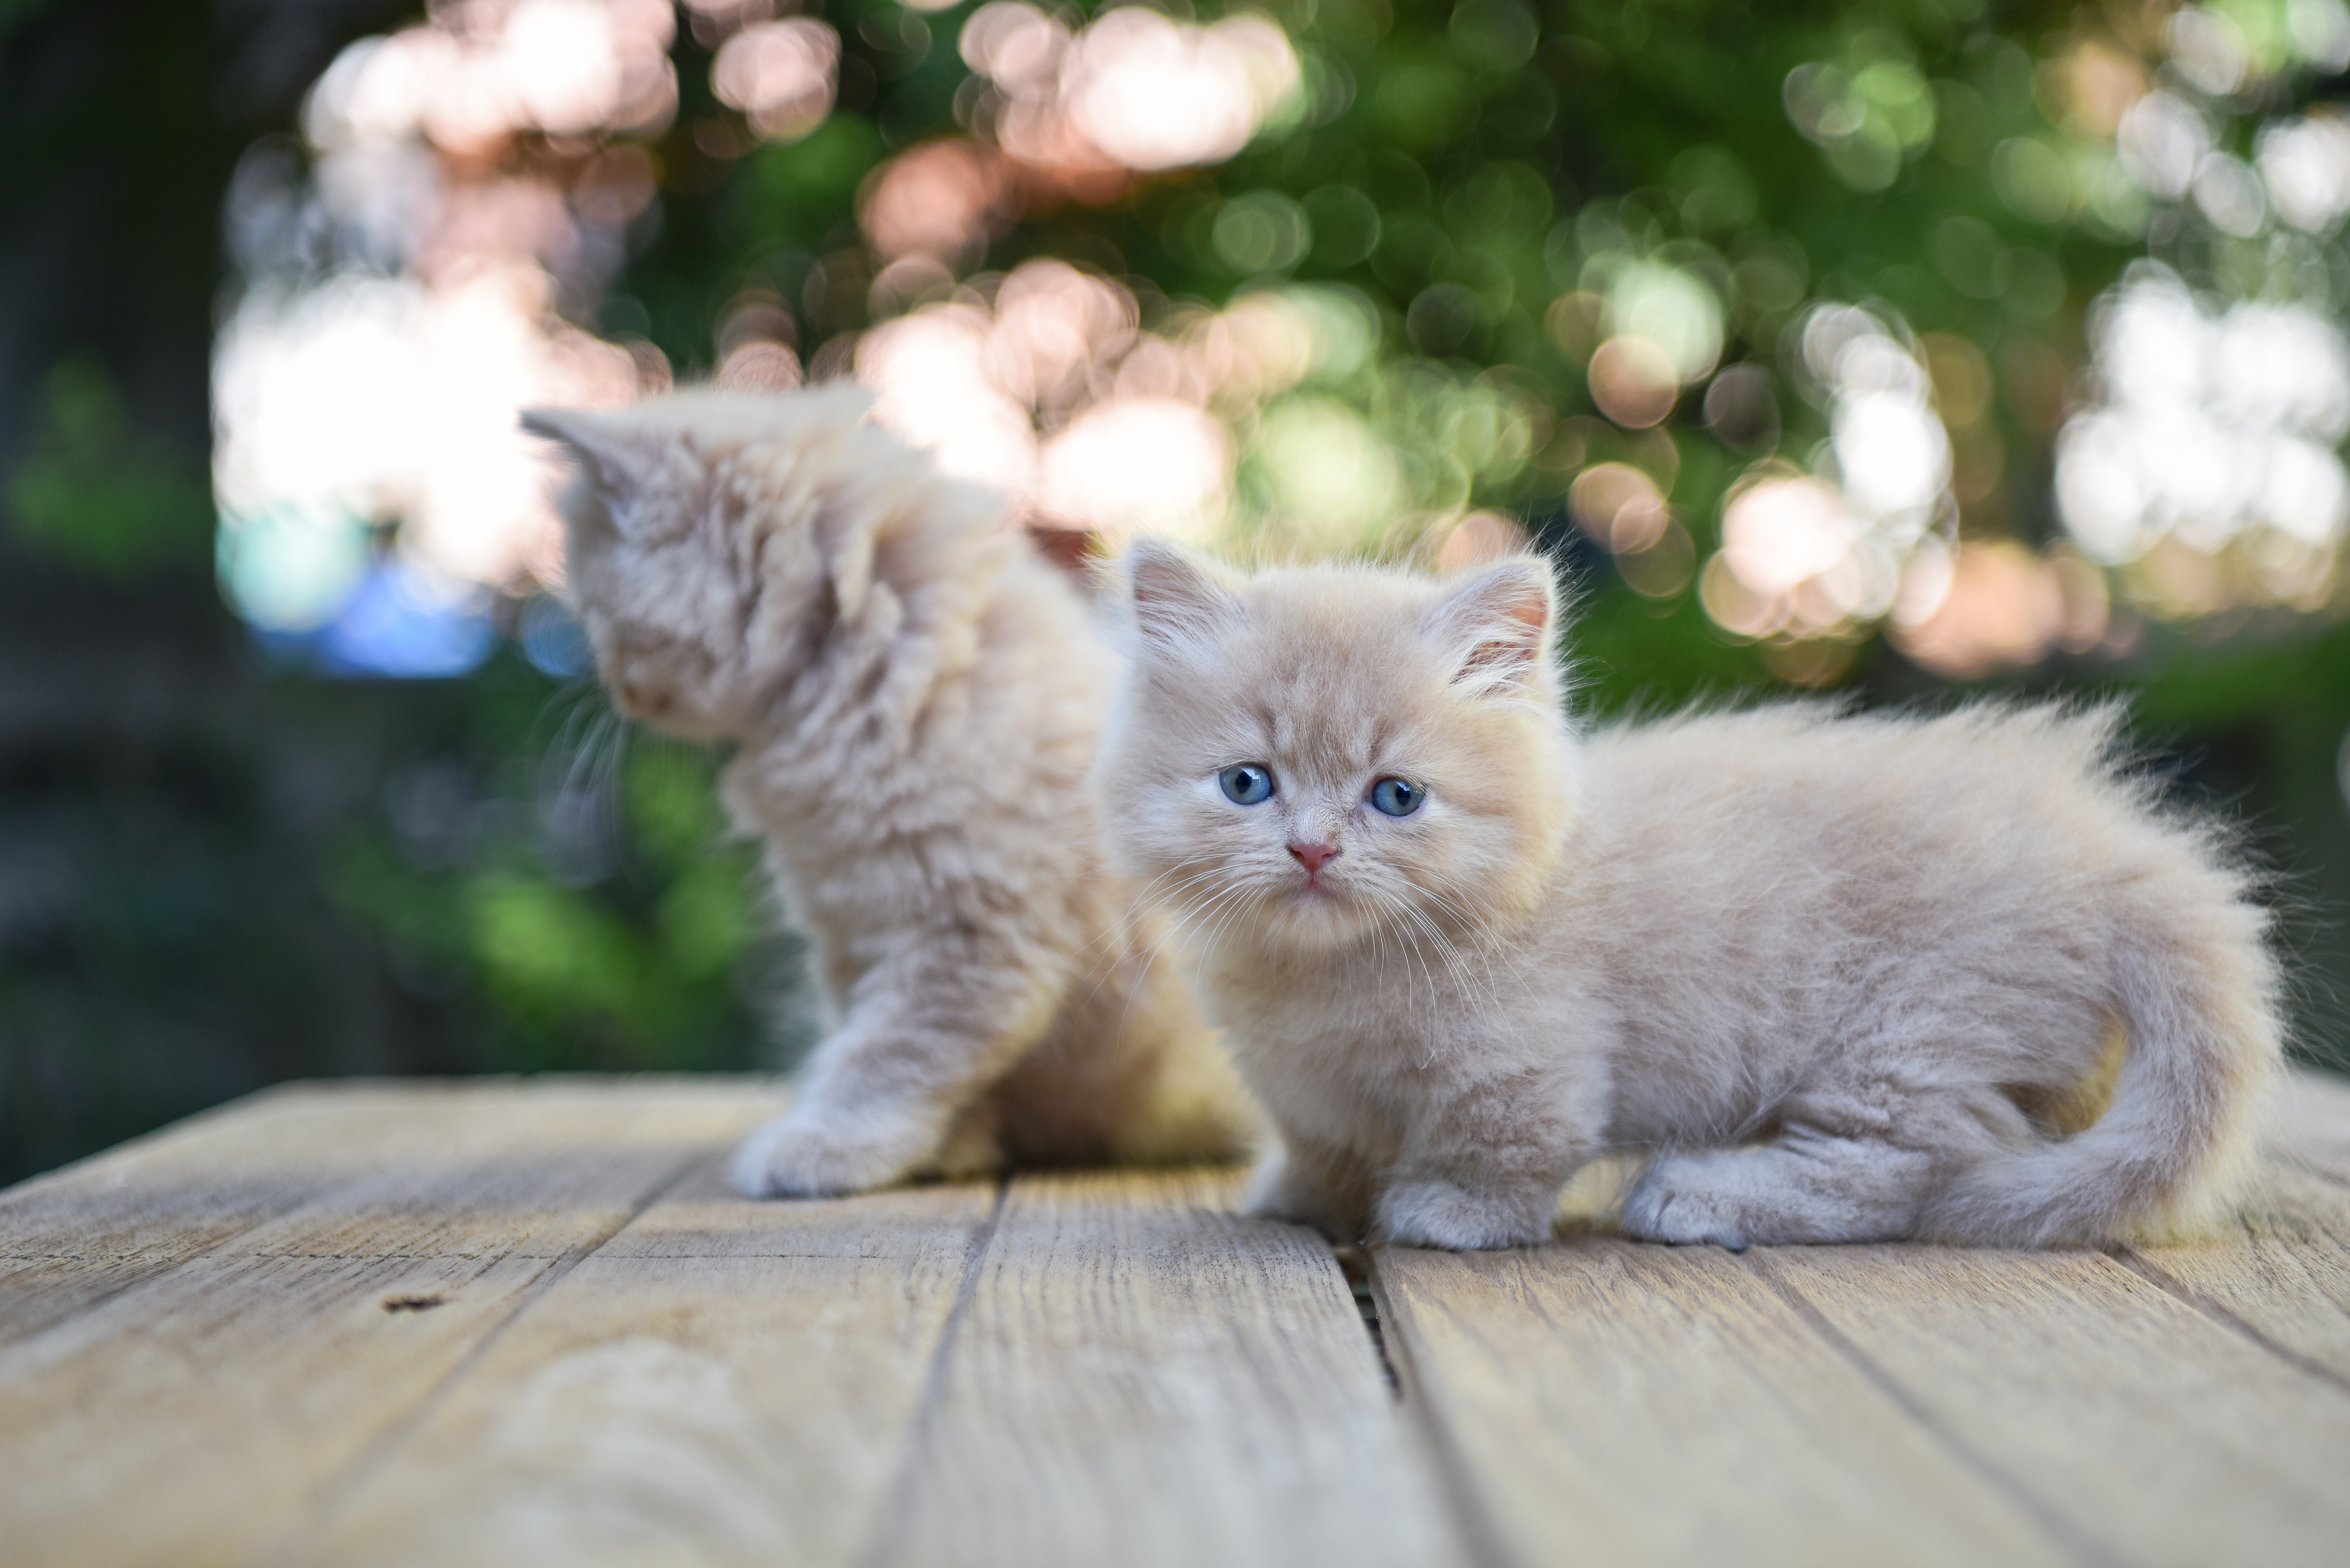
{"x":1243,"y":892}
{"x":1475,"y":992}
{"x":1119,"y":931}
{"x":1231,"y":911}
{"x":1404,"y":937}
{"x":1487,"y":945}
{"x":1206,"y":874}
{"x":1135,"y":904}
{"x":1187,"y":921}
{"x":1478,"y":992}
{"x":1448,"y":895}
{"x":1191,"y":924}
{"x":571,"y":737}
{"x":1103,"y":965}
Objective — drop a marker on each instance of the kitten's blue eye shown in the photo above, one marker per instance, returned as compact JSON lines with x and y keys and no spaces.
{"x":1245,"y":783}
{"x":1397,"y":797}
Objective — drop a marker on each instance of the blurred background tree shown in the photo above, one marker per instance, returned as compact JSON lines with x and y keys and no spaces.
{"x":1905,"y":350}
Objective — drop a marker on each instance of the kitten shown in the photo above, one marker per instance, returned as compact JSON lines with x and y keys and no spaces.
{"x":916,"y":695}
{"x":1836,"y":976}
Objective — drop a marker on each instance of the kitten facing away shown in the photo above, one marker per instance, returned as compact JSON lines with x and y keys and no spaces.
{"x":1832,"y":976}
{"x":915,"y":695}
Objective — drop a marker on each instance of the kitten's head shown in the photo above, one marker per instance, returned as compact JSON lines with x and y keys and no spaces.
{"x":701,"y":532}
{"x":1313,"y":754}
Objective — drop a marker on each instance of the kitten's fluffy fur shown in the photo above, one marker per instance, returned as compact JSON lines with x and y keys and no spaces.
{"x":916,"y":695}
{"x":1837,"y":975}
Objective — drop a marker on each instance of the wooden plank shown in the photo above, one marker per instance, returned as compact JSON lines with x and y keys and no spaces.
{"x":1142,"y":1376}
{"x":315,"y":1348}
{"x":72,"y":1236}
{"x":2155,"y":1434}
{"x":75,"y":1236}
{"x":1619,"y":1403}
{"x":724,"y":1382}
{"x":184,"y":1419}
{"x":2286,"y":1283}
{"x":39,"y":1293}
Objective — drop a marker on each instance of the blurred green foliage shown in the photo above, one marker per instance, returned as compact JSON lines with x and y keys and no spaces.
{"x":94,"y":490}
{"x":216,"y":870}
{"x":287,"y":877}
{"x":1457,"y":167}
{"x":599,"y":938}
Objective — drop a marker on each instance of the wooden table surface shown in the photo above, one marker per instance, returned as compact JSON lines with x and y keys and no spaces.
{"x":522,"y":1323}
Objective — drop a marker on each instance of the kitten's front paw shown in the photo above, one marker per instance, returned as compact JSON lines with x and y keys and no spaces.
{"x":798,"y":1155}
{"x":1680,"y":1201}
{"x":1432,"y":1213}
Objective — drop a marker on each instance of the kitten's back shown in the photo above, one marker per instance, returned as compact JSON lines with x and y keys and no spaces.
{"x":1991,"y":890}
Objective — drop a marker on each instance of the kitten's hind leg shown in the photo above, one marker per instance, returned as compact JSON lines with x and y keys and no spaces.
{"x":928,"y":1030}
{"x":1804,"y":1186}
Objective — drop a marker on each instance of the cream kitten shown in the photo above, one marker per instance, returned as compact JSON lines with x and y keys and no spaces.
{"x":1838,"y":976}
{"x":916,"y":695}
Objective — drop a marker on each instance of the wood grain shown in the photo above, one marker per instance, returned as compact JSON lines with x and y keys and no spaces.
{"x":523,"y":1322}
{"x":1612,"y":1402}
{"x":722,"y":1382}
{"x":1140,"y":1377}
{"x":2284,"y":1277}
{"x":189,"y":1415}
{"x":2151,"y":1432}
{"x":76,"y":1236}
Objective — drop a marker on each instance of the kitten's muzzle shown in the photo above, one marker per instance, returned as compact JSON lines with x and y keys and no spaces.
{"x":1312,"y":856}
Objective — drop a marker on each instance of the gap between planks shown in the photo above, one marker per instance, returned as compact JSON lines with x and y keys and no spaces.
{"x":2288,"y":1328}
{"x":2163,"y":1279}
{"x":1068,"y":1368}
{"x":900,"y":1495}
{"x":1976,"y":1463}
{"x":1572,"y":1391}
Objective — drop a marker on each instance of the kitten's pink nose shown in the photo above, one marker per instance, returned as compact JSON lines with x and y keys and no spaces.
{"x":1312,"y":856}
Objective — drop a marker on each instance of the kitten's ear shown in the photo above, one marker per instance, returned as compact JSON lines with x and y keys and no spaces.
{"x":1500,"y":621}
{"x":1176,"y":602}
{"x":611,"y":448}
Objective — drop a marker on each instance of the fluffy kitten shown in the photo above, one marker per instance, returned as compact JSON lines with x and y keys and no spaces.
{"x":916,"y":695}
{"x":1837,"y":975}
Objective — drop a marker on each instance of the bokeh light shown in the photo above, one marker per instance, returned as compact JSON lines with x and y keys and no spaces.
{"x":941,"y":200}
{"x":2215,"y":427}
{"x":1478,"y":539}
{"x":1379,"y":359}
{"x":402,"y":303}
{"x":1132,"y":89}
{"x":1042,"y":384}
{"x":1997,"y":605}
{"x":782,"y":74}
{"x":1825,"y":553}
{"x":2206,"y":467}
{"x":1894,"y":350}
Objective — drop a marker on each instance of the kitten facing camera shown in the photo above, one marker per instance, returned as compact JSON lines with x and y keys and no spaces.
{"x":1836,"y":978}
{"x":915,"y":694}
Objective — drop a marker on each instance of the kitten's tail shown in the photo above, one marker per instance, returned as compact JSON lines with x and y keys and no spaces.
{"x":2197,"y":991}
